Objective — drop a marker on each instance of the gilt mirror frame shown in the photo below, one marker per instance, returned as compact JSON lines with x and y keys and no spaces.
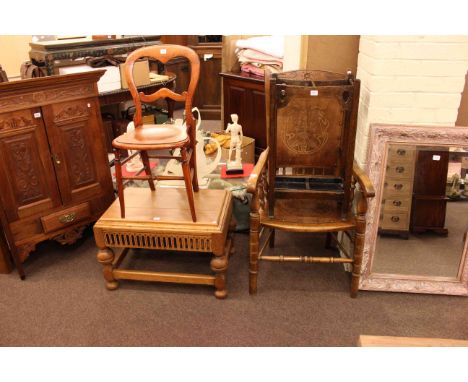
{"x":381,"y":135}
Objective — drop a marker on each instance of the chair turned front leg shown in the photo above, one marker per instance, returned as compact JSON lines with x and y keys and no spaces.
{"x":146,"y":163}
{"x":188,"y":182}
{"x":193,"y":167}
{"x":119,"y":181}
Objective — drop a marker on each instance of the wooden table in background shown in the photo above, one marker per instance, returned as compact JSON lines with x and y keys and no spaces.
{"x":48,"y":52}
{"x":161,"y":220}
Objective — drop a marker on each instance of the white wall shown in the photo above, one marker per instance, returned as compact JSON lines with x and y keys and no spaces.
{"x":409,"y":80}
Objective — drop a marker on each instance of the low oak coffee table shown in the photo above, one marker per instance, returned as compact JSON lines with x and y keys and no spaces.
{"x":161,"y":220}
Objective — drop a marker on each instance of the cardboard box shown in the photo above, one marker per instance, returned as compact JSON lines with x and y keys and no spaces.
{"x":140,"y":74}
{"x":464,"y":162}
{"x":247,"y":154}
{"x":108,"y":82}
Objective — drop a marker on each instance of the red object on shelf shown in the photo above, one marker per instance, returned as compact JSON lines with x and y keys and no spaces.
{"x":246,"y":167}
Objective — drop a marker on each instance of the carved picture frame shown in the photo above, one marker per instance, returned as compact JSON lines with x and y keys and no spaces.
{"x":381,"y":135}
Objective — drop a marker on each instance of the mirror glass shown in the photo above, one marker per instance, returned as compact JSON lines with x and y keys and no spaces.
{"x":424,"y":211}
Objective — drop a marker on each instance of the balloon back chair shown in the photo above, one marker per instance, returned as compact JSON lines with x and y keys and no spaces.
{"x":154,"y":137}
{"x":306,"y":179}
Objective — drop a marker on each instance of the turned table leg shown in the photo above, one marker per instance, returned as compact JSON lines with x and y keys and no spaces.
{"x":105,"y":256}
{"x":219,"y":265}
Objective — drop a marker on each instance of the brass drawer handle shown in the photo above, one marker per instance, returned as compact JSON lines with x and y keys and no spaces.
{"x":397,"y":203}
{"x":398,"y":186}
{"x":400,"y":169}
{"x":395,"y":219}
{"x":68,"y":218}
{"x":401,"y":152}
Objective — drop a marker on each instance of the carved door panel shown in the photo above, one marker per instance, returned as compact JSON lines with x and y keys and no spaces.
{"x":76,"y":143}
{"x":28,"y":184}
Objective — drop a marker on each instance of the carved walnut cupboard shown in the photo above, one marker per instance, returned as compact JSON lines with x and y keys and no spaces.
{"x":53,"y":162}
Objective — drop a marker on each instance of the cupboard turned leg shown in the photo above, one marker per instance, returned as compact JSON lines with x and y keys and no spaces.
{"x":18,"y":264}
{"x":146,"y":163}
{"x":119,"y":181}
{"x":106,"y":256}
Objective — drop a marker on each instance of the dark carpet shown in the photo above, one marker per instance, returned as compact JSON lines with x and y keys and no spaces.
{"x":63,"y":302}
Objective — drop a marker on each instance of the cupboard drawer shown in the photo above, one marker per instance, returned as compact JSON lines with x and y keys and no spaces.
{"x":400,"y":154}
{"x":396,"y":204}
{"x":400,"y":170}
{"x":397,"y":188}
{"x":66,"y":217}
{"x":395,"y":221}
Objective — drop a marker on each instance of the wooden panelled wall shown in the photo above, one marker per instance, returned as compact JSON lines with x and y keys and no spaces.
{"x":332,"y":53}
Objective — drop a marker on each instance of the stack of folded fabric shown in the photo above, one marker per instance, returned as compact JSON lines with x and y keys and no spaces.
{"x":256,"y":54}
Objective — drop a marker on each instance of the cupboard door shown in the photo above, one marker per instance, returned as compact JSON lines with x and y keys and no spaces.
{"x":78,"y":150}
{"x":28,"y":184}
{"x":208,"y":93}
{"x":247,"y":100}
{"x":257,"y":121}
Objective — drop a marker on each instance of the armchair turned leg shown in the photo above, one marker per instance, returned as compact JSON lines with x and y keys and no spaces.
{"x":356,"y":272}
{"x":328,"y":241}
{"x":272,"y":238}
{"x":119,"y":181}
{"x":254,"y":245}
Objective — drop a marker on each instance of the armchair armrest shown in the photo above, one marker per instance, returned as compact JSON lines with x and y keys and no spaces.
{"x":364,"y":181}
{"x":256,"y":172}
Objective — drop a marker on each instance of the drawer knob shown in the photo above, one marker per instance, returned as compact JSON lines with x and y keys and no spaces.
{"x":401,"y":152}
{"x":398,"y":186}
{"x":395,"y":219}
{"x":400,"y":169}
{"x":67,"y":218}
{"x":397,"y":203}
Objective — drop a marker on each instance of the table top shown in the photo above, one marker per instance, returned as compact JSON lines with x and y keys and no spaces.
{"x":167,"y":209}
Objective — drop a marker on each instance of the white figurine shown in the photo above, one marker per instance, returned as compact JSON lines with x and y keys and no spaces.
{"x":235,"y":130}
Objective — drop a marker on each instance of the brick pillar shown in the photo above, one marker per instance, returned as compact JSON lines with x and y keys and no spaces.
{"x":409,"y":80}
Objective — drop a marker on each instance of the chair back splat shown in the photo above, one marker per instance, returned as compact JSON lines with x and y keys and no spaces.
{"x":311,"y":133}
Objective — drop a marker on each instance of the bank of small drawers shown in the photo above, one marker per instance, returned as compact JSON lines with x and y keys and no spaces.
{"x":397,"y":189}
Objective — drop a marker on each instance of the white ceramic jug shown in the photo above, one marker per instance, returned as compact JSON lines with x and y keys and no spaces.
{"x":204,"y":167}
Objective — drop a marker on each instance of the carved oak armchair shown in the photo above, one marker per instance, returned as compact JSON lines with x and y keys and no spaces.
{"x":307,"y":180}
